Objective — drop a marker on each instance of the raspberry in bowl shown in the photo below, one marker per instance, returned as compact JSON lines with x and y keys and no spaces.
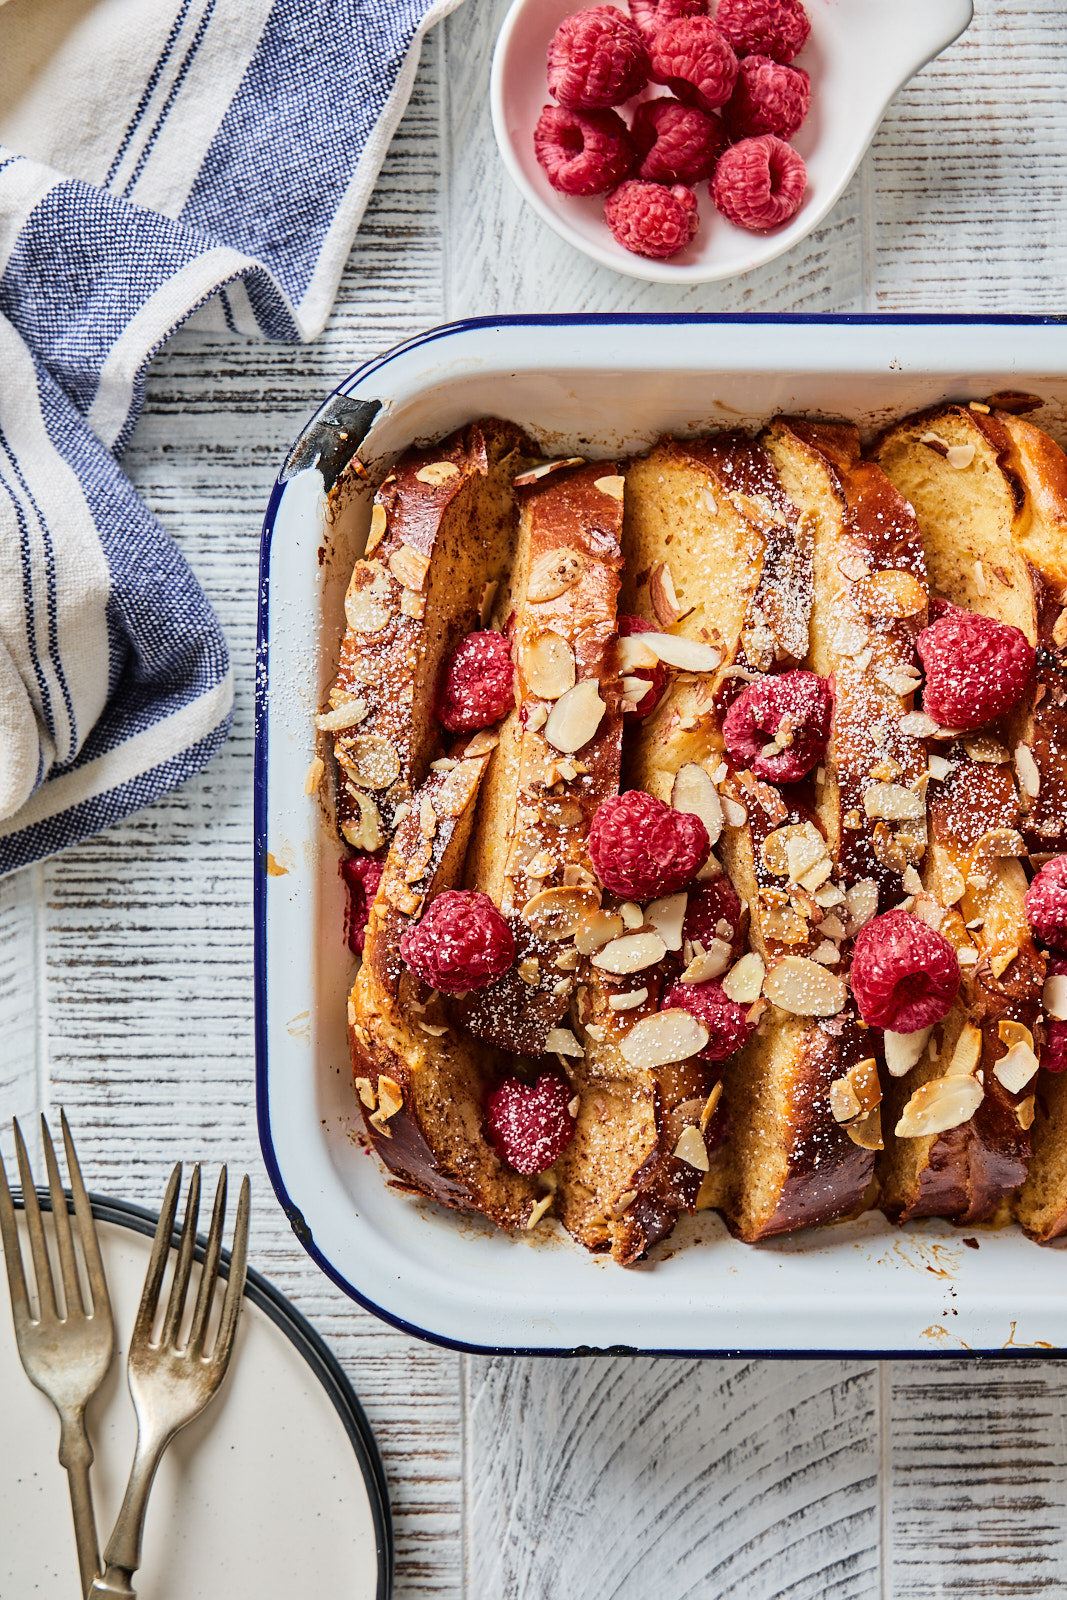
{"x":824,"y":79}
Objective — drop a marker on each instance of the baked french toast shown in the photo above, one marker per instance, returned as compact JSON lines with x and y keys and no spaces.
{"x":722,"y":865}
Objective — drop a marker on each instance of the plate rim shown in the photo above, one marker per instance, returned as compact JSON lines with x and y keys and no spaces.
{"x":305,"y":1339}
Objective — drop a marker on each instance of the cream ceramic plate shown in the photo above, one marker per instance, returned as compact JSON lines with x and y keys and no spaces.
{"x":275,"y":1491}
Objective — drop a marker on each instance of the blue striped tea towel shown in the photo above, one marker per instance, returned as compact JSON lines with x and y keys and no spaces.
{"x":156,"y":157}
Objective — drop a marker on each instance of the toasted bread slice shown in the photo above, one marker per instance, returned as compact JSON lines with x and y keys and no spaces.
{"x":559,"y":751}
{"x":968,"y":507}
{"x":442,"y":532}
{"x":422,"y":1081}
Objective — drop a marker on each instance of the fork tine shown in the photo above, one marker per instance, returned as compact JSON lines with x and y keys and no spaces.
{"x":83,"y":1211}
{"x":180,"y":1285}
{"x":16,"y":1278}
{"x":68,"y":1267}
{"x":231,"y":1306}
{"x":157,"y":1261}
{"x":46,"y":1294}
{"x":209,"y":1271}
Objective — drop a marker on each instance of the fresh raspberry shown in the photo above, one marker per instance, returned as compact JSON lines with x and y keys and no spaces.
{"x":791,"y":710}
{"x":1054,"y":1051}
{"x":652,"y":220}
{"x":529,"y":1123}
{"x":362,"y":875}
{"x":976,"y":668}
{"x":1046,"y":903}
{"x":775,"y":28}
{"x":641,"y":848}
{"x":461,"y":943}
{"x":905,"y":974}
{"x":597,"y":58}
{"x":583,"y":153}
{"x":709,"y":905}
{"x":727,"y":1022}
{"x":676,"y":143}
{"x":656,"y":677}
{"x":694,"y":60}
{"x":759,"y":183}
{"x":652,"y":16}
{"x":767,"y":98}
{"x":478,"y":684}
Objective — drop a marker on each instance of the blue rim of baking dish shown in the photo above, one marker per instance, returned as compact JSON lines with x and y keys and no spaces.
{"x":359,"y":377}
{"x":308,"y":1344}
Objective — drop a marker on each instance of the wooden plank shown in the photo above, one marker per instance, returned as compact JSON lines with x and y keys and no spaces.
{"x":630,"y":1478}
{"x":22,"y":1003}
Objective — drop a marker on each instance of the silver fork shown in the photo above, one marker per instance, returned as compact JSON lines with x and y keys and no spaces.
{"x":171,"y":1383}
{"x":65,"y":1356}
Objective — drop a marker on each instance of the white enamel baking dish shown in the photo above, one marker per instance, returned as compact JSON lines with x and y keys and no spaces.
{"x":594,"y":386}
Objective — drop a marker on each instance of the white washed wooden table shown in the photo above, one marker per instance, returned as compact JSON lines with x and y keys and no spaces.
{"x":126,"y":965}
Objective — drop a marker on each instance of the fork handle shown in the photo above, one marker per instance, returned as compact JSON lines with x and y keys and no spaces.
{"x":76,"y":1456}
{"x":123,"y":1553}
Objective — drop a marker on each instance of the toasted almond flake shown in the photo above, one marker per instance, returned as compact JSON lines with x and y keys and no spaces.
{"x":378,"y":525}
{"x":960,"y":456}
{"x":709,"y":963}
{"x":547,"y":664}
{"x":567,"y":960}
{"x":628,"y":1002}
{"x":902,"y":1050}
{"x":666,"y":1037}
{"x":437,"y":473}
{"x":390,"y":1097}
{"x":891,"y":594}
{"x":826,"y":953}
{"x":967,"y":1052}
{"x":844,"y":1106}
{"x":689,"y":655}
{"x":529,"y":970}
{"x":985,"y":749}
{"x":804,"y":988}
{"x":562,"y":986}
{"x":929,"y":910}
{"x":596,"y":1031}
{"x":575,"y":717}
{"x":1003,"y":959}
{"x":734,"y":814}
{"x":663,"y":595}
{"x":367,"y":604}
{"x":711,"y":869}
{"x":365,"y":831}
{"x":830,"y":894}
{"x":1011,"y":1032}
{"x":863,"y":1076}
{"x":892,"y":802}
{"x":694,"y":792}
{"x":1025,"y":1112}
{"x":344,"y":715}
{"x":1026,"y":767}
{"x":1015,"y":1069}
{"x":635,"y":689}
{"x":1059,"y":629}
{"x":434,"y":1029}
{"x":561,"y":1042}
{"x":553,"y":573}
{"x":939,"y":1105}
{"x":537,"y":1211}
{"x":535,"y":474}
{"x":365,"y":1090}
{"x":862,"y":903}
{"x":832,"y":927}
{"x":711,"y":1105}
{"x":631,"y":914}
{"x":967,"y":956}
{"x":911,"y":882}
{"x":632,"y":653}
{"x":666,"y":916}
{"x":692,"y":1150}
{"x":936,"y":440}
{"x":613,"y":486}
{"x":559,"y":913}
{"x":917,"y":725}
{"x":976,"y":405}
{"x":379,"y":1124}
{"x":370,"y":760}
{"x":953,"y":884}
{"x":536,"y":717}
{"x":803,"y":853}
{"x":314,"y":776}
{"x":1054,"y":997}
{"x":849,"y":636}
{"x":541,"y":866}
{"x":409,"y":566}
{"x":598,"y":929}
{"x":484,"y":741}
{"x":939,"y":767}
{"x":867,"y":1132}
{"x":633,"y":952}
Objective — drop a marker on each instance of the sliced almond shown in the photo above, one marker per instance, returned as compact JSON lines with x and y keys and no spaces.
{"x":537,"y":1211}
{"x":1025,"y":1112}
{"x":892,"y":802}
{"x":959,"y":455}
{"x":953,"y":884}
{"x":547,"y":664}
{"x":567,"y":960}
{"x":379,"y":522}
{"x":543,"y":470}
{"x":867,"y":1132}
{"x":805,"y":841}
{"x":996,"y":845}
{"x":734,"y":814}
{"x":529,"y":970}
{"x":666,"y":916}
{"x":436,"y":1030}
{"x":711,"y":1105}
{"x":693,"y":791}
{"x":692,"y":1150}
{"x":575,"y":717}
{"x":1059,"y":629}
{"x":390,"y":1097}
{"x":804,"y":988}
{"x":365,"y":1090}
{"x":1026,"y":767}
{"x":367,"y":601}
{"x":365,"y":831}
{"x":844,"y":1106}
{"x":613,"y":486}
{"x":409,"y":566}
{"x":902,"y":1050}
{"x":1054,"y":997}
{"x":314,"y":776}
{"x":862,"y":903}
{"x":967,"y":1053}
{"x":744,"y":981}
{"x":559,"y":913}
{"x":939,"y":767}
{"x":917,"y":725}
{"x":688,"y":655}
{"x":412,"y":604}
{"x":902,"y":680}
{"x":346,"y":714}
{"x":662,"y":593}
{"x":553,"y":573}
{"x":370,"y":760}
{"x":378,"y":1123}
{"x":710,"y":964}
{"x":849,"y":636}
{"x":891,"y":594}
{"x":631,"y":914}
{"x":632,"y":953}
{"x":666,"y":1037}
{"x":628,"y":1002}
{"x":633,"y":654}
{"x":437,"y":473}
{"x":597,"y":930}
{"x":999,"y":963}
{"x":484,"y":740}
{"x":929,"y":910}
{"x":939,"y":1105}
{"x":561,"y":1042}
{"x":1015,"y":1069}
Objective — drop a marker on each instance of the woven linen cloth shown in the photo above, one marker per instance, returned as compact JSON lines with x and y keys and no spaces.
{"x":156,"y":157}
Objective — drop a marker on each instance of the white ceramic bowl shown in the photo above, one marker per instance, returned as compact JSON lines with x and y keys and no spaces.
{"x":596,"y":386}
{"x":859,"y":54}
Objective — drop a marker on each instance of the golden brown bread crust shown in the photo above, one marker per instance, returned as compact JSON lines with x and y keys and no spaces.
{"x":441,"y":530}
{"x":541,"y":800}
